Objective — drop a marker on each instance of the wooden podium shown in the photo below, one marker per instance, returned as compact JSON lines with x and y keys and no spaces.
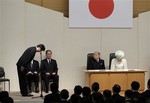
{"x":107,"y":78}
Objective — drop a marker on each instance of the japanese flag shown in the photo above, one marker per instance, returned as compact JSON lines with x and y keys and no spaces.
{"x":101,"y":13}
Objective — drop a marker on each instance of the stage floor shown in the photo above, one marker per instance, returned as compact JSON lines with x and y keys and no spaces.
{"x":19,"y":99}
{"x":35,"y":99}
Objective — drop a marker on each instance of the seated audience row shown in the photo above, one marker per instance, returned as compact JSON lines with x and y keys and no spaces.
{"x":93,"y":95}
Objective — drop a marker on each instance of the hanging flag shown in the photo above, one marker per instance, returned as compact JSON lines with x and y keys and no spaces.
{"x":101,"y":13}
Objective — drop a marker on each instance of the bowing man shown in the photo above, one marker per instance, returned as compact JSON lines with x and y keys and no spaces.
{"x":23,"y":61}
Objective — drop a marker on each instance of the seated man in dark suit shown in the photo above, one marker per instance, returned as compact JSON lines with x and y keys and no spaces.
{"x":136,"y":96}
{"x":53,"y":97}
{"x":33,"y":74}
{"x":116,"y":97}
{"x":96,"y":62}
{"x":146,"y":94}
{"x":49,"y":69}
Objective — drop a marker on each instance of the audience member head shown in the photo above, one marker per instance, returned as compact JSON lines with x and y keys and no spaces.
{"x":54,"y":87}
{"x":96,"y":55}
{"x":116,"y":89}
{"x":128,"y":94}
{"x":135,"y":85}
{"x":148,"y":84}
{"x":40,"y":47}
{"x":75,"y":99}
{"x":64,"y":94}
{"x":86,"y":92}
{"x":107,"y":93}
{"x":3,"y":95}
{"x":119,"y":55}
{"x":95,"y":87}
{"x":78,"y":90}
{"x":48,"y":54}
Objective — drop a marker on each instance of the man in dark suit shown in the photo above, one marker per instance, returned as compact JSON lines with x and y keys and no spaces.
{"x":146,"y":94}
{"x":23,"y":61}
{"x":116,"y":97}
{"x":49,"y":69}
{"x":96,"y":62}
{"x":33,"y":74}
{"x":53,"y":97}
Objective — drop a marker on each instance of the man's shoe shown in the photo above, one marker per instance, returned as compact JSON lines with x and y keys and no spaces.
{"x":46,"y":91}
{"x":27,"y":95}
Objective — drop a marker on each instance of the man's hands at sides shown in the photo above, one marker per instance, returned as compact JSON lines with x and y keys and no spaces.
{"x":50,"y":73}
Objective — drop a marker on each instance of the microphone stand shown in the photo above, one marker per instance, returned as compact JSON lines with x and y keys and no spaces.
{"x":41,"y":95}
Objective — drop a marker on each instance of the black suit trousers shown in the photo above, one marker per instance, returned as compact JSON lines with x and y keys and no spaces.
{"x":22,"y":81}
{"x":48,"y":77}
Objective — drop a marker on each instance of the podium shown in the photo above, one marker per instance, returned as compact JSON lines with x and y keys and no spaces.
{"x":108,"y":78}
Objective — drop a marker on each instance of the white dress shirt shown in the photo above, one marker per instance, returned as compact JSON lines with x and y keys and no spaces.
{"x":116,"y":65}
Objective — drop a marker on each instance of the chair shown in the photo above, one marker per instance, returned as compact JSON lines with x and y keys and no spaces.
{"x":3,"y":79}
{"x":111,"y":56}
{"x":89,"y":57}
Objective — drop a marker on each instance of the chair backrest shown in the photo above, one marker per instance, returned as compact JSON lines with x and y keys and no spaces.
{"x":89,"y":57}
{"x":111,"y":56}
{"x":2,"y":73}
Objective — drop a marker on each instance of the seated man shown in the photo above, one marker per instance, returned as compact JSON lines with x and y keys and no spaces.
{"x":33,"y":75}
{"x":136,"y":96}
{"x":146,"y":94}
{"x":53,"y":97}
{"x":96,"y":62}
{"x":49,"y":69}
{"x":116,"y":97}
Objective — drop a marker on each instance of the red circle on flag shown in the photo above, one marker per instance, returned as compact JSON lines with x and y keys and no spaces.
{"x":101,"y":9}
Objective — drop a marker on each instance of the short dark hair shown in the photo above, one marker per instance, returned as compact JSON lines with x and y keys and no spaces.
{"x":107,"y":93}
{"x":41,"y":46}
{"x":48,"y":51}
{"x":116,"y":88}
{"x":95,"y":86}
{"x":86,"y":91}
{"x":148,"y":83}
{"x":77,"y":89}
{"x":135,"y":85}
{"x":54,"y":87}
{"x":64,"y":94}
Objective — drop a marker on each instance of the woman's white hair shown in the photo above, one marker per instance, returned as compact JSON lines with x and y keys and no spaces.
{"x":119,"y":54}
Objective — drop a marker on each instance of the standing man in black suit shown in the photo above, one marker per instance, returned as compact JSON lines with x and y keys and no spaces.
{"x":49,"y":69}
{"x":96,"y":62}
{"x":33,"y":75}
{"x":23,"y":61}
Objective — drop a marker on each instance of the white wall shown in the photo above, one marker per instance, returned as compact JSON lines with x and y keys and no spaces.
{"x":12,"y":38}
{"x":27,"y":25}
{"x":0,"y":31}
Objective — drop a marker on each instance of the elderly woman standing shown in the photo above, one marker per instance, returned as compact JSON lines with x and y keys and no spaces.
{"x":119,"y":62}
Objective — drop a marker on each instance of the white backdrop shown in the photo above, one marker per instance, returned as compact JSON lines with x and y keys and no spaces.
{"x":25,"y":25}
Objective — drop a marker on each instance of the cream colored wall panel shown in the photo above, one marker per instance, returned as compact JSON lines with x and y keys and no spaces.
{"x":12,"y":38}
{"x":121,"y":39}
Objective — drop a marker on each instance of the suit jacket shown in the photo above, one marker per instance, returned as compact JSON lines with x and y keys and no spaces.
{"x":93,"y":64}
{"x":146,"y":96}
{"x":27,"y":57}
{"x":52,"y":98}
{"x":34,"y":67}
{"x":116,"y":98}
{"x":49,"y":67}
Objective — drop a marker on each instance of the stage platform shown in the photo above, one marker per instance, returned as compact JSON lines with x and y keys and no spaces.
{"x":19,"y":99}
{"x":35,"y":99}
